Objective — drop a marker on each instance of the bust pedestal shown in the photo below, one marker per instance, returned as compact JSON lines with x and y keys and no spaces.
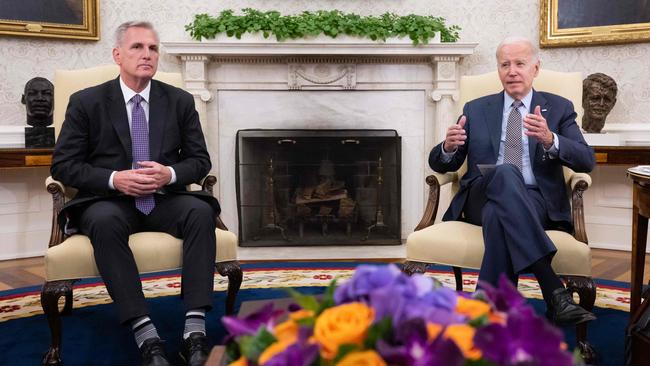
{"x":39,"y":137}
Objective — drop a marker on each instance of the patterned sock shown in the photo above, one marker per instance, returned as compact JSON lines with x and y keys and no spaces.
{"x":143,"y":329}
{"x":194,"y":322}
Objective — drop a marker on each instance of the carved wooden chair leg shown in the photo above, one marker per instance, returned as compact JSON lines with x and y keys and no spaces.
{"x":458,"y":276}
{"x":50,"y":295}
{"x":233,"y":271}
{"x":586,"y":290}
{"x":411,"y":267}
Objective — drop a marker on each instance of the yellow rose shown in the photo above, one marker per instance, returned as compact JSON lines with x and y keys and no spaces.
{"x":343,"y":324}
{"x":364,"y":358}
{"x":463,"y":336}
{"x":472,"y":308}
{"x":287,"y":330}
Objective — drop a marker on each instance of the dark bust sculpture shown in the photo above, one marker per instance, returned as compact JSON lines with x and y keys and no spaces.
{"x":598,"y":99}
{"x":38,"y":99}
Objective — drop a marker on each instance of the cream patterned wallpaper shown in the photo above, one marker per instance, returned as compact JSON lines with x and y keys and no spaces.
{"x":485,"y":22}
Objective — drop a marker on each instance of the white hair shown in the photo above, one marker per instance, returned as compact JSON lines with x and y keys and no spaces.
{"x":122,"y":28}
{"x":534,"y":51}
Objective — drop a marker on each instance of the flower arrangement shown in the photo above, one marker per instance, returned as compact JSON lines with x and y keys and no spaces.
{"x":384,"y":317}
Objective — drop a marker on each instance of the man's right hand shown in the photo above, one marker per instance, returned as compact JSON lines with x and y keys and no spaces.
{"x":455,"y":136}
{"x":134,"y":183}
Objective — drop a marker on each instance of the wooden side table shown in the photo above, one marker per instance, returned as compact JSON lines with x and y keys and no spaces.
{"x":25,"y":158}
{"x":640,"y":215}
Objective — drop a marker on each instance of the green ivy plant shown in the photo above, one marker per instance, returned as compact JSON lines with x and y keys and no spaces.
{"x":419,"y":28}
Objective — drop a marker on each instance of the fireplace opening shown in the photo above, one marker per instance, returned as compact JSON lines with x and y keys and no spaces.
{"x":318,"y":187}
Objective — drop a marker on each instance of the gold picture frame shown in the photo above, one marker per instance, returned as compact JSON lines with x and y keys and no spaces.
{"x":70,"y":19}
{"x":570,"y":23}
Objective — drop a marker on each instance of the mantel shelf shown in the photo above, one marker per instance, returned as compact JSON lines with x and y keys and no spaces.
{"x":299,"y":48}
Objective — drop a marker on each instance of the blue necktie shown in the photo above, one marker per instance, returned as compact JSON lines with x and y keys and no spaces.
{"x":140,"y":147}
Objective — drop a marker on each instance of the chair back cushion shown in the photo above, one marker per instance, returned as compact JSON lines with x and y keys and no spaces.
{"x":67,"y":82}
{"x":565,"y":84}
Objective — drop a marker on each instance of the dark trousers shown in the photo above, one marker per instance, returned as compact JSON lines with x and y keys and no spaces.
{"x":108,"y":224}
{"x":513,"y":217}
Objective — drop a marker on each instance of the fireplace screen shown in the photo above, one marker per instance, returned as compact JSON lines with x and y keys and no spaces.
{"x":318,"y":187}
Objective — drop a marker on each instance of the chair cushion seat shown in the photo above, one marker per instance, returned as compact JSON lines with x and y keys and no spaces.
{"x":153,"y":251}
{"x":459,"y":244}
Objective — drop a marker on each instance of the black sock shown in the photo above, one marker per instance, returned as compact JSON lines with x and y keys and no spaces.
{"x":546,"y":277}
{"x":143,"y":329}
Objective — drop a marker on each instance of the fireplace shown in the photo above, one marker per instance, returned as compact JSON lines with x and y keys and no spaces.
{"x":318,"y":187}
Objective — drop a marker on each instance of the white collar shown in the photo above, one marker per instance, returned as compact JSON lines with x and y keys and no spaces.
{"x":128,"y":93}
{"x":525,"y":101}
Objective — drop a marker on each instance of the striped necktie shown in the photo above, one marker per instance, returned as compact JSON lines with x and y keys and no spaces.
{"x":513,"y":149}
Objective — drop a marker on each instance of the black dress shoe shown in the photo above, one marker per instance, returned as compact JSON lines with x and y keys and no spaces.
{"x":195,"y":350}
{"x":563,"y":311}
{"x":153,"y":353}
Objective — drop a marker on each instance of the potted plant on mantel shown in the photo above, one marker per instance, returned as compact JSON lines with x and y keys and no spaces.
{"x":321,"y":25}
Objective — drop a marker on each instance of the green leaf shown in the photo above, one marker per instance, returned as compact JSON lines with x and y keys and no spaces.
{"x":307,"y":302}
{"x":253,"y":346}
{"x":377,"y":331}
{"x":419,"y":28}
{"x":344,"y":349}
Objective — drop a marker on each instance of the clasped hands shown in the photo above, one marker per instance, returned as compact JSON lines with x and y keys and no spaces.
{"x":149,"y":178}
{"x":535,"y":125}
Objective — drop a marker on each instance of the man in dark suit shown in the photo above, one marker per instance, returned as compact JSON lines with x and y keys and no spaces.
{"x":521,"y":139}
{"x":130,"y":146}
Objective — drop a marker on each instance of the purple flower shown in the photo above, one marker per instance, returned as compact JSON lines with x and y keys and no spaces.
{"x":505,"y":297}
{"x":250,"y":324}
{"x":366,"y":278}
{"x":416,"y":351}
{"x":514,"y":344}
{"x":297,"y":354}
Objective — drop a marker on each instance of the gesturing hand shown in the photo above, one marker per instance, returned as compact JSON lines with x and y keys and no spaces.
{"x":456,"y":136}
{"x":537,"y":127}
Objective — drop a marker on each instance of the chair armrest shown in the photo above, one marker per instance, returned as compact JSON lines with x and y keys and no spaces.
{"x":445,"y":178}
{"x":207,"y":184}
{"x":579,"y":183}
{"x":57,"y":190}
{"x":434,"y":181}
{"x":577,"y":177}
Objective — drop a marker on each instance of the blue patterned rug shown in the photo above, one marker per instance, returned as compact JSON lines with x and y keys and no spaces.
{"x":92,"y":335}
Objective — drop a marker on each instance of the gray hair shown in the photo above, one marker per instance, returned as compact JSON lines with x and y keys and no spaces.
{"x":121,"y":30}
{"x":517,"y":39}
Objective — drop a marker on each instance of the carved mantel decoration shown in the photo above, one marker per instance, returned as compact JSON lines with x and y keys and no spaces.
{"x":225,"y":74}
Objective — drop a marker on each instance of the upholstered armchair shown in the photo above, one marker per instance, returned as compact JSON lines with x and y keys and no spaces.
{"x":69,"y":259}
{"x":460,"y":245}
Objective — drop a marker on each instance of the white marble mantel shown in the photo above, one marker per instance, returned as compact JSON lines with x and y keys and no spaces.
{"x":342,"y":83}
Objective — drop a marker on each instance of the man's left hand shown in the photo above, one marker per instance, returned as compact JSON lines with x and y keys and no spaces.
{"x":535,"y":125}
{"x":161,"y":174}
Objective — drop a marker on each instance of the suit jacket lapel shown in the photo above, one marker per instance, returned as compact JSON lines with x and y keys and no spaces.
{"x":537,"y":100}
{"x":118,"y":117}
{"x":494,"y":118}
{"x":157,"y":118}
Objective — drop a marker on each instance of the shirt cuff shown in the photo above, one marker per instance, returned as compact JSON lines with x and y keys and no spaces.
{"x":173,"y":179}
{"x":554,"y":150}
{"x":110,"y":181}
{"x":446,"y":157}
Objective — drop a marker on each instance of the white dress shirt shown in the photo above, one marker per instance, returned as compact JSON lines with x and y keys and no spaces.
{"x":128,"y":94}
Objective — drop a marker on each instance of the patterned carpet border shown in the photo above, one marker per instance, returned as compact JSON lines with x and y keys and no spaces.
{"x":21,"y":303}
